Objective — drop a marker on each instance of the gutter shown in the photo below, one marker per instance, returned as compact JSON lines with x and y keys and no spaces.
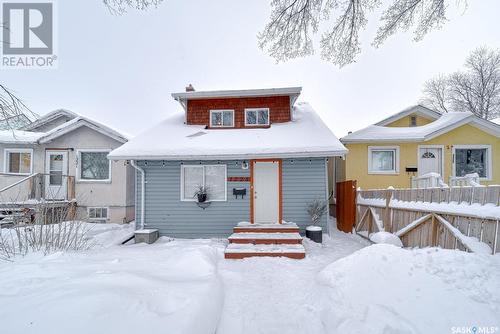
{"x":143,"y":190}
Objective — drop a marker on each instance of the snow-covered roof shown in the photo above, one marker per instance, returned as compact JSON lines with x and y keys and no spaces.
{"x":77,"y":121}
{"x":19,"y":136}
{"x":496,"y":120}
{"x":237,"y":93}
{"x":305,"y":136}
{"x":445,"y":123}
{"x":416,"y":109}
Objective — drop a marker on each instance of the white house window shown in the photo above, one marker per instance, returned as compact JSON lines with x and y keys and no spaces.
{"x":257,"y":116}
{"x":98,"y":213}
{"x":473,"y":159}
{"x":221,"y":118}
{"x":18,"y":161}
{"x":383,"y":160}
{"x":93,"y":165}
{"x":212,"y":177}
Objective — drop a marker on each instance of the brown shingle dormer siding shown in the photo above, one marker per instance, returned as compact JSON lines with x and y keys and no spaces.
{"x":198,"y":110}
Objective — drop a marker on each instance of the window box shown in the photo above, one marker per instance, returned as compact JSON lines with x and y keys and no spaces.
{"x":221,"y":118}
{"x":93,"y":165}
{"x":18,"y":161}
{"x":212,"y":177}
{"x":383,"y":160}
{"x":257,"y":117}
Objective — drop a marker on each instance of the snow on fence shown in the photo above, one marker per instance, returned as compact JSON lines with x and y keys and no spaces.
{"x":465,"y":218}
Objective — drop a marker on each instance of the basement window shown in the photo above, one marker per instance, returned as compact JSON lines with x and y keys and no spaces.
{"x":97,"y":213}
{"x":221,"y":118}
{"x":256,"y":116}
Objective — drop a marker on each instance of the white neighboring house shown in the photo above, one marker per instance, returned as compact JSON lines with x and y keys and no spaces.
{"x":66,"y":154}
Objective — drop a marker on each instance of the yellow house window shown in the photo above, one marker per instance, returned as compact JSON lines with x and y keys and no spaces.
{"x":383,"y":159}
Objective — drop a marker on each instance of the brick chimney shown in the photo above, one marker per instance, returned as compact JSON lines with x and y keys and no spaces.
{"x":190,"y":88}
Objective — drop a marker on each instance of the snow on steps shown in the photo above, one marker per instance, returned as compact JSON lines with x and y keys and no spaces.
{"x":240,"y":251}
{"x":274,"y":240}
{"x":265,"y":238}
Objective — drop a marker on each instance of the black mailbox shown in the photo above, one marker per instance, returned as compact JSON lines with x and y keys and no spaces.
{"x":239,"y":192}
{"x":411,"y":169}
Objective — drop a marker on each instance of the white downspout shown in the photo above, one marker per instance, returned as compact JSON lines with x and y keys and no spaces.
{"x":143,"y":190}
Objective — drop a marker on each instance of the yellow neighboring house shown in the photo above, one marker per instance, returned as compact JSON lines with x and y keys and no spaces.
{"x":419,"y":141}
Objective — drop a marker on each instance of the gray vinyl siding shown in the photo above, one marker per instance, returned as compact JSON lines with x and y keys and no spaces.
{"x":302,"y":181}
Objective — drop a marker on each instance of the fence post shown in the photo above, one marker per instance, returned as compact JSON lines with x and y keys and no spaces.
{"x":388,"y":217}
{"x":434,"y":231}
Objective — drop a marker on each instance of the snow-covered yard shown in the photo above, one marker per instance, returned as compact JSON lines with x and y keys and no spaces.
{"x":185,"y":286}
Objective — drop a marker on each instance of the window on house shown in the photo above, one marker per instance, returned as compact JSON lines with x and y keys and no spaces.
{"x":470,"y":160}
{"x":257,"y":116}
{"x":18,"y":161}
{"x":98,"y":213}
{"x":383,"y":160}
{"x":212,"y":177}
{"x":221,"y":118}
{"x":413,"y":120}
{"x":94,"y":166}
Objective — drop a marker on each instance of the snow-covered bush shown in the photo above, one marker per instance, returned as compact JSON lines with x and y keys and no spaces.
{"x":316,"y":209}
{"x":53,"y":229}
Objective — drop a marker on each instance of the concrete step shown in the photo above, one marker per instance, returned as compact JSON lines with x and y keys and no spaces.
{"x":241,"y":251}
{"x":265,"y":238}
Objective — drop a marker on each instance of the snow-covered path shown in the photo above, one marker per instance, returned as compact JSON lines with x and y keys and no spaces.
{"x":273,"y":295}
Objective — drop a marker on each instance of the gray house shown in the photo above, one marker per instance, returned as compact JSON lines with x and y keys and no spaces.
{"x":259,"y":156}
{"x":65,"y":154}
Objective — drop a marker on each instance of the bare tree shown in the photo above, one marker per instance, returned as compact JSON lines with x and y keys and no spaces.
{"x":12,"y":109}
{"x":288,"y":34}
{"x":121,"y":6}
{"x":293,"y":23}
{"x":475,"y":89}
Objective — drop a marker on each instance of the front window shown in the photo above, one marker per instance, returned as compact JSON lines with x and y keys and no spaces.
{"x":18,"y":161}
{"x":94,"y":166}
{"x":257,"y":116}
{"x":470,"y":160}
{"x":383,"y":160}
{"x":221,"y":118}
{"x":212,"y":177}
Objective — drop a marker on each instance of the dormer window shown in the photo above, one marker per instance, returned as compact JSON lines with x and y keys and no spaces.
{"x":221,"y":118}
{"x":257,"y":117}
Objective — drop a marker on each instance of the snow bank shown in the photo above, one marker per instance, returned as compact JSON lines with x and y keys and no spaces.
{"x":386,"y":289}
{"x":162,"y":288}
{"x":386,"y":238}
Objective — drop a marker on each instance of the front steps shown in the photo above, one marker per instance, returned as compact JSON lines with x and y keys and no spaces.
{"x":250,"y":240}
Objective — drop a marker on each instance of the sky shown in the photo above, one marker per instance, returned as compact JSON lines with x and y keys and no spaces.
{"x":121,"y":70}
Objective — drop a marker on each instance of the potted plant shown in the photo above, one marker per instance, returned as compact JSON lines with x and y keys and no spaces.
{"x":201,"y":194}
{"x":316,"y":209}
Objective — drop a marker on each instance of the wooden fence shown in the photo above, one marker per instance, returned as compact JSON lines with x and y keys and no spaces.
{"x":443,"y":217}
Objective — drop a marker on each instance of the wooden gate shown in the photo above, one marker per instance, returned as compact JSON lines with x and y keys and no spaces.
{"x":346,"y":205}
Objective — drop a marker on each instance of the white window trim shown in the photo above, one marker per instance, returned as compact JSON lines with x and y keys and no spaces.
{"x":17,"y":150}
{"x":430,"y":146}
{"x":256,"y":110}
{"x":489,"y":165}
{"x":383,"y":148}
{"x":79,"y":165}
{"x":221,"y":111}
{"x":194,"y":199}
{"x":98,"y":207}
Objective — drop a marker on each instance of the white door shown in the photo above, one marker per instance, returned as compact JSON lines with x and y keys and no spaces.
{"x":266,"y":192}
{"x":429,"y":160}
{"x":56,"y":170}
